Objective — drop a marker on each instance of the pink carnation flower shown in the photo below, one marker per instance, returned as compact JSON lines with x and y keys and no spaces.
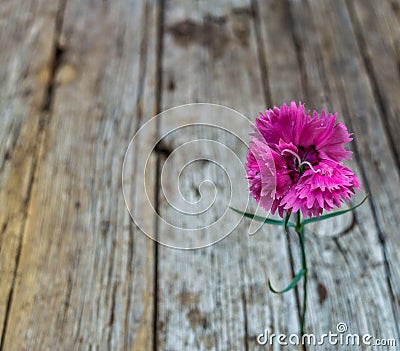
{"x":295,"y":161}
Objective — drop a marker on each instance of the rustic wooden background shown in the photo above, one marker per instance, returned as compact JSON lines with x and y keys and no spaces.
{"x":78,"y":78}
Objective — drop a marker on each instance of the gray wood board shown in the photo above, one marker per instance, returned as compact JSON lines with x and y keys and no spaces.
{"x":85,"y":274}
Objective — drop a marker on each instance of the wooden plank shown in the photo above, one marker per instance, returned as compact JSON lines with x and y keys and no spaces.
{"x":289,"y":81}
{"x":85,"y":278}
{"x":378,"y":33}
{"x":377,"y":26}
{"x":280,"y":53}
{"x":26,"y":61}
{"x":215,"y":298}
{"x":348,"y":280}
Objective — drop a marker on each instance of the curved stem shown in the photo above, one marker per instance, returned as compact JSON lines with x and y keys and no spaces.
{"x":300,"y":230}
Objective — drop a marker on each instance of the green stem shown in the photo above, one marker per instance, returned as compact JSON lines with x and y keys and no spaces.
{"x":300,"y":231}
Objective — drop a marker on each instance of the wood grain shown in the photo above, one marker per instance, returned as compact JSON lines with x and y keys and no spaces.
{"x":343,"y":79}
{"x":215,"y":298}
{"x":336,"y":257}
{"x":85,"y":277}
{"x":376,"y":26}
{"x":26,"y":59}
{"x":78,"y":81}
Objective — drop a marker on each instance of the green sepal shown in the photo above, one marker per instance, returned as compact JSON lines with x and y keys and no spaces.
{"x":334,"y":214}
{"x":292,"y":284}
{"x":262,"y":219}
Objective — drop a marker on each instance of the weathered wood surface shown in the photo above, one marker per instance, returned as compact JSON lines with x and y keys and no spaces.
{"x":351,"y":92}
{"x":337,"y":259}
{"x":26,"y":59}
{"x":84,"y":278}
{"x":215,"y":298}
{"x":79,"y":79}
{"x":340,"y":256}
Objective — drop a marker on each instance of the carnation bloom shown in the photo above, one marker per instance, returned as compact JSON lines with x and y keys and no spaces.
{"x":295,"y":161}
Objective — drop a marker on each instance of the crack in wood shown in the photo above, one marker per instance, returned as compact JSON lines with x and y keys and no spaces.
{"x":15,"y":132}
{"x":262,"y":59}
{"x":341,"y":250}
{"x":51,"y":87}
{"x":349,"y":228}
{"x":131,"y":270}
{"x":163,"y":149}
{"x":217,"y":295}
{"x":3,"y":230}
{"x":244,"y":305}
{"x":155,"y":253}
{"x":112,"y":315}
{"x":157,"y":185}
{"x":67,"y":299}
